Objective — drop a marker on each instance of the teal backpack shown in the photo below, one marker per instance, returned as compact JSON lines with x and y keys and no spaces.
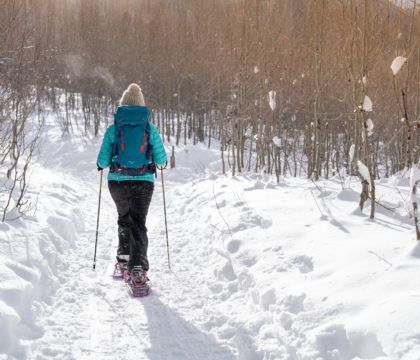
{"x":132,"y":153}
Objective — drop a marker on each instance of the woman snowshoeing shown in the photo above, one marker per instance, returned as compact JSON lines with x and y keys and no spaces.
{"x":132,"y":148}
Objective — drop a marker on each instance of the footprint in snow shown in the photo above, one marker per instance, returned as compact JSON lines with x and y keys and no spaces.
{"x":303,"y":263}
{"x":267,"y":298}
{"x":277,"y":248}
{"x":247,"y":259}
{"x":226,"y":273}
{"x":238,"y":204}
{"x":233,"y":246}
{"x":216,"y":288}
{"x":246,"y":280}
{"x":293,"y":303}
{"x":266,"y":223}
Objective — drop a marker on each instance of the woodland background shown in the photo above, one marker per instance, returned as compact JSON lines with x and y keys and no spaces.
{"x":280,"y":83}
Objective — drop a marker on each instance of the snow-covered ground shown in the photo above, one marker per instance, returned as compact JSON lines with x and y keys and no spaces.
{"x":260,"y":270}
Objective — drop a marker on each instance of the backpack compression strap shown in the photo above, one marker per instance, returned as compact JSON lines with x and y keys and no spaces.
{"x":116,"y":168}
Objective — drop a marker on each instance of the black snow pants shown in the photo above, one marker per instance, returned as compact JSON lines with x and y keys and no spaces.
{"x":132,"y":199}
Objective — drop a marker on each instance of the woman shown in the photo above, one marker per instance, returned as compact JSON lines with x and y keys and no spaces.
{"x":131,"y":177}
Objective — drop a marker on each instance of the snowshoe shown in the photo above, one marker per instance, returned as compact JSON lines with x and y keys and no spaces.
{"x":120,"y":267}
{"x":137,"y":282}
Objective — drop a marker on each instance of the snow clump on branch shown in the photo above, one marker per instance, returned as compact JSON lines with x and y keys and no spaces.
{"x":369,"y":124}
{"x":367,"y":104}
{"x":272,"y":99}
{"x":351,"y":152}
{"x":277,"y":141}
{"x":363,"y":171}
{"x":397,"y":64}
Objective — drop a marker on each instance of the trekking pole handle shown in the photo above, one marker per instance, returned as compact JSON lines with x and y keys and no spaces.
{"x":162,"y":167}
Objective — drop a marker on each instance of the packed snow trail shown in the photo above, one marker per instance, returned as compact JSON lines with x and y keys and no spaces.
{"x":261,"y":270}
{"x":93,"y":317}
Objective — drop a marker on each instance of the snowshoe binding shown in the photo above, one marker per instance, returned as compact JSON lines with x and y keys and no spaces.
{"x":137,"y":282}
{"x":120,"y":266}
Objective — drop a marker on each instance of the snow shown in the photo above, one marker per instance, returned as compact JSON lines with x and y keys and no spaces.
{"x":414,"y":176}
{"x":364,"y":171}
{"x":397,"y":64}
{"x":351,"y":152}
{"x":364,"y":80}
{"x":367,"y":104}
{"x":277,"y":141}
{"x":261,"y":270}
{"x":272,"y":99}
{"x":414,"y":180}
{"x":369,"y":124}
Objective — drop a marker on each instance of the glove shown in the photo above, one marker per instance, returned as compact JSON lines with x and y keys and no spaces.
{"x":99,"y":168}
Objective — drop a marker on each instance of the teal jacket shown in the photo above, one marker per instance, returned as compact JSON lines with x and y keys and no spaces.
{"x":105,"y":154}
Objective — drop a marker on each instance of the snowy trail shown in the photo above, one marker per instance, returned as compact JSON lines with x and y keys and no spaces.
{"x":229,"y":296}
{"x":262,"y":271}
{"x":93,"y":317}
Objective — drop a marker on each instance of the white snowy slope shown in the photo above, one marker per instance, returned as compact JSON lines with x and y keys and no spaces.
{"x":260,"y":270}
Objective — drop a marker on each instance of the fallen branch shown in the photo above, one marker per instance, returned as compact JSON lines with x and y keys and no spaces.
{"x":385,"y":207}
{"x":214,"y":227}
{"x":220,"y":213}
{"x":322,"y":214}
{"x":380,"y":257}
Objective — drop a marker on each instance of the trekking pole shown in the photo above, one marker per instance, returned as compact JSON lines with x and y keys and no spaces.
{"x":164,"y":210}
{"x":97,"y":221}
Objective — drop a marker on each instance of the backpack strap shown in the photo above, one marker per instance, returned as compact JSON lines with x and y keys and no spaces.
{"x":115,"y":151}
{"x":138,"y":171}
